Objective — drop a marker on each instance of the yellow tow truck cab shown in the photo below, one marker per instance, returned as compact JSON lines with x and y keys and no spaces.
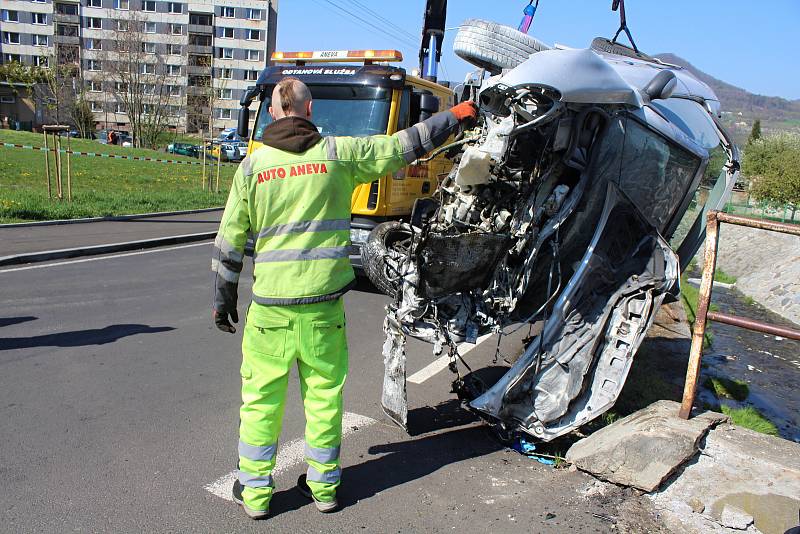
{"x":357,"y":93}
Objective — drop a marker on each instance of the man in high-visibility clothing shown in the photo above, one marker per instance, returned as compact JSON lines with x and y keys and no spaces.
{"x":293,"y":195}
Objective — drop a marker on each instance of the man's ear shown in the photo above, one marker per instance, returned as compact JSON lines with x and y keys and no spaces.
{"x":272,"y":114}
{"x":308,"y":109}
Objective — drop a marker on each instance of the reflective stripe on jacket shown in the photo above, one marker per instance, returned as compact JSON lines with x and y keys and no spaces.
{"x":297,"y":208}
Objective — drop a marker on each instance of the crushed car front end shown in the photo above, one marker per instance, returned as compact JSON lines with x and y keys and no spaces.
{"x":575,"y":203}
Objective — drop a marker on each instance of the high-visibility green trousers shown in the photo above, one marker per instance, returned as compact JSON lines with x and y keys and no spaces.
{"x":274,"y":337}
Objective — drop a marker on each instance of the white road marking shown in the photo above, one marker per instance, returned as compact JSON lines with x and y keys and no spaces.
{"x":441,"y":363}
{"x":289,"y":455}
{"x":98,"y":258}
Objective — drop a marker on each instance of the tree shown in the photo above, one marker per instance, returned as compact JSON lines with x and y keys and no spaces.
{"x":755,"y":133}
{"x":773,"y":164}
{"x":62,"y":81}
{"x":138,"y":70}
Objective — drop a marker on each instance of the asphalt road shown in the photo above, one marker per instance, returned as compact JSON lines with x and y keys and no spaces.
{"x":119,"y":412}
{"x":54,"y":237}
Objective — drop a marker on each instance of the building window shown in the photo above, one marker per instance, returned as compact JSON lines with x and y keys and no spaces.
{"x":149,"y":48}
{"x":253,"y":35}
{"x":95,"y":86}
{"x":149,"y":88}
{"x":66,"y":30}
{"x":200,"y":20}
{"x":251,"y":75}
{"x":12,"y":58}
{"x":148,"y":68}
{"x":174,"y":90}
{"x":253,"y":14}
{"x":7,"y":99}
{"x":39,"y":18}
{"x":93,"y":44}
{"x":149,"y":5}
{"x":228,"y":12}
{"x":226,"y":94}
{"x":175,"y":7}
{"x":122,"y":25}
{"x":93,"y":64}
{"x":174,"y":70}
{"x":173,"y":49}
{"x":120,"y":87}
{"x":94,"y":22}
{"x":176,"y":29}
{"x":122,"y":4}
{"x":94,"y":3}
{"x":224,"y":53}
{"x":226,"y":74}
{"x":96,"y":106}
{"x":252,"y":55}
{"x":40,"y":61}
{"x":227,"y":33}
{"x":223,"y":113}
{"x":40,"y":40}
{"x":10,"y":16}
{"x":67,"y":9}
{"x":10,"y":38}
{"x":120,"y":108}
{"x":149,"y":27}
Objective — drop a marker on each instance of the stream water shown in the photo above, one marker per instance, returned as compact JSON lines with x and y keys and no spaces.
{"x":770,"y":365}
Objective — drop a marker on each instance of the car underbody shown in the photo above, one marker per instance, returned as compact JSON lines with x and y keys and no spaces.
{"x":563,"y":207}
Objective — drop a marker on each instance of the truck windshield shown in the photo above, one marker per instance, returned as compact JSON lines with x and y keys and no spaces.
{"x":344,"y":110}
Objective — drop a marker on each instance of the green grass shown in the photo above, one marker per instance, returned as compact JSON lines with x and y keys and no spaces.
{"x":100,"y":186}
{"x":726,"y":388}
{"x":690,"y":296}
{"x":722,"y":276}
{"x":749,"y":417}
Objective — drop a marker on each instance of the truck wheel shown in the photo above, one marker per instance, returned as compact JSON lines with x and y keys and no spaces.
{"x":601,"y":44}
{"x":384,"y":243}
{"x":493,"y":46}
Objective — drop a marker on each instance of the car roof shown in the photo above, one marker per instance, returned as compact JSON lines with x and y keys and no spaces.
{"x":590,"y":76}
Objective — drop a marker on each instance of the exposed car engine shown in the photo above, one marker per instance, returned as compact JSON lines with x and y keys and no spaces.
{"x":536,"y":222}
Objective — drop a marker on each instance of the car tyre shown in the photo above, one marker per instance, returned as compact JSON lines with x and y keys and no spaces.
{"x":493,"y":46}
{"x":601,"y":44}
{"x":378,"y":249}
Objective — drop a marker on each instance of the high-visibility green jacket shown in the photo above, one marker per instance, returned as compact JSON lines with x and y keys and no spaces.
{"x":293,"y":195}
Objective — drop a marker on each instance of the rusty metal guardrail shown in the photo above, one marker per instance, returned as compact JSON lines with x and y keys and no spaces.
{"x":714,"y":219}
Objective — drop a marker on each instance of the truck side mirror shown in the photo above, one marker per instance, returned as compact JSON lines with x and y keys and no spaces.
{"x":661,"y":86}
{"x":428,"y":105}
{"x":243,"y":125}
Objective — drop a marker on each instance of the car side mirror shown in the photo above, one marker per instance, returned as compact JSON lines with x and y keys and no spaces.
{"x":662,"y":85}
{"x":428,"y":105}
{"x":243,"y":125}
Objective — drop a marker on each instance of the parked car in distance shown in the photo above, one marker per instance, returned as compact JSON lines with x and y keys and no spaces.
{"x":184,"y":149}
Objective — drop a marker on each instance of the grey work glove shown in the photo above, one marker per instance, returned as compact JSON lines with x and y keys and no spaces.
{"x":222,"y":321}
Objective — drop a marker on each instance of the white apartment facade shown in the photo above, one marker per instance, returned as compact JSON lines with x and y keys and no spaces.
{"x":207,"y":52}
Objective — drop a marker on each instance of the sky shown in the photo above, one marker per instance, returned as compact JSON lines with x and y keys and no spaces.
{"x":750,"y":44}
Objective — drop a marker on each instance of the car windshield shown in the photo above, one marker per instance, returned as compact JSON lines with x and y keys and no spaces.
{"x":344,"y":110}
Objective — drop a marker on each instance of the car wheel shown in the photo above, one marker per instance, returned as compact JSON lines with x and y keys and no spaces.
{"x":493,"y":46}
{"x":384,"y":244}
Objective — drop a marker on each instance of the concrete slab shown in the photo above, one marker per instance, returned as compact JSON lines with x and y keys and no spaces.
{"x":740,"y":475}
{"x":645,"y":448}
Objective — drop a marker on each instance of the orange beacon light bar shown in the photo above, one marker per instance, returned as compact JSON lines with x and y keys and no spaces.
{"x":332,"y":56}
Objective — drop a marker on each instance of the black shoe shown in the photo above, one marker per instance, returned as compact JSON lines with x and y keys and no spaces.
{"x":324,"y":507}
{"x":236,"y":493}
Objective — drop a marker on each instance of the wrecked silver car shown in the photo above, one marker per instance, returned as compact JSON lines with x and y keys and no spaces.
{"x":575,"y":202}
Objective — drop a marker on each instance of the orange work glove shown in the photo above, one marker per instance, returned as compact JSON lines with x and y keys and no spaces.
{"x":465,"y":111}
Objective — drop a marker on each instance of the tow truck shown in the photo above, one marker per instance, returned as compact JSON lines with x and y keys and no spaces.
{"x":359,"y":93}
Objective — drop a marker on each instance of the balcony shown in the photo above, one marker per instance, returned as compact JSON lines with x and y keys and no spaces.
{"x":197,"y":28}
{"x":201,"y":70}
{"x":199,"y":49}
{"x":66,"y":18}
{"x":67,"y":40}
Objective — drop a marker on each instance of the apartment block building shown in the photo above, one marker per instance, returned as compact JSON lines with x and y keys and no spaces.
{"x":198,"y":56}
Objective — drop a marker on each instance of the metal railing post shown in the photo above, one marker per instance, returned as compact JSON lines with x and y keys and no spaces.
{"x":703,"y":301}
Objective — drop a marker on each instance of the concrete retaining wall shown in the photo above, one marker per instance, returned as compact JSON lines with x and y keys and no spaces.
{"x":766,"y":265}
